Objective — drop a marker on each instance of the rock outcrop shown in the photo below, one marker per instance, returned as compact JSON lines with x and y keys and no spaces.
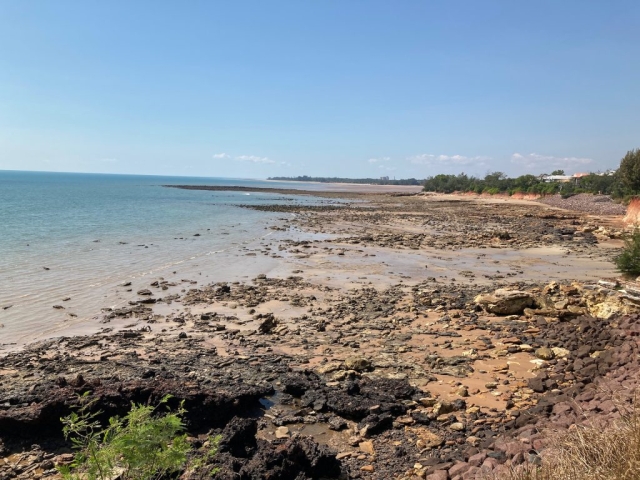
{"x":505,"y":302}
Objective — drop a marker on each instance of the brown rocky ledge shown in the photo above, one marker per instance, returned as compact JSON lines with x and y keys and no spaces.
{"x":480,"y":394}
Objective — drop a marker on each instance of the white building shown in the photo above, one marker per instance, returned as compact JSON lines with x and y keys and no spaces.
{"x":557,"y":178}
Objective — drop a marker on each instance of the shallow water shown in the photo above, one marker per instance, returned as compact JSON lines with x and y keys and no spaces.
{"x":82,"y":235}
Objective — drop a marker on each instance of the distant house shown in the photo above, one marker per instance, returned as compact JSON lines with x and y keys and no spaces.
{"x":384,"y":179}
{"x":564,"y":178}
{"x":557,"y":178}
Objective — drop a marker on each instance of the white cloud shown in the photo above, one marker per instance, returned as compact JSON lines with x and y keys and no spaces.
{"x":379,"y":160}
{"x":253,"y":159}
{"x":244,"y":158}
{"x":535,"y":160}
{"x":430,"y":159}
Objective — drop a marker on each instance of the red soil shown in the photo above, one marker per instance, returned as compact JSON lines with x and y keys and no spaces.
{"x":633,"y":212}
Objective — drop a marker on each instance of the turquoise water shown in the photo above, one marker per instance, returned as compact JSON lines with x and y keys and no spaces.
{"x":81,"y":235}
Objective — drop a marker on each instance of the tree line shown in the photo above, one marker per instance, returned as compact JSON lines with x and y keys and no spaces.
{"x":498,"y":182}
{"x":625,"y":182}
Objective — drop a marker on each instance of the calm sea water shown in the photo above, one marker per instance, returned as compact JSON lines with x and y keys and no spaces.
{"x":82,"y":235}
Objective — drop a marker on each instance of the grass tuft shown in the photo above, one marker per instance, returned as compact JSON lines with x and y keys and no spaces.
{"x":589,"y":453}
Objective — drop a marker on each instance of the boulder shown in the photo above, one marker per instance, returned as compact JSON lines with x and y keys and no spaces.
{"x":426,"y":438}
{"x":560,"y":352}
{"x":545,"y":353}
{"x":505,"y":302}
{"x":359,"y":364}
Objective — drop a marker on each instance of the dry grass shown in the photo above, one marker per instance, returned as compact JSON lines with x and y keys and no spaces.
{"x":590,"y":453}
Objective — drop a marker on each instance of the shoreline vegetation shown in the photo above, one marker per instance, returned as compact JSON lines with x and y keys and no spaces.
{"x":499,"y":183}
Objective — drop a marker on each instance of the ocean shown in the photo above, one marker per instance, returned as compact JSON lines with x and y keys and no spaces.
{"x":71,"y":240}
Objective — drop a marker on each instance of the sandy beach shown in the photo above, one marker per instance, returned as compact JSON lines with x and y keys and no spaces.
{"x":393,"y":335}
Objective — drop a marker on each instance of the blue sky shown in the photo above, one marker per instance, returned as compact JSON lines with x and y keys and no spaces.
{"x":332,"y":88}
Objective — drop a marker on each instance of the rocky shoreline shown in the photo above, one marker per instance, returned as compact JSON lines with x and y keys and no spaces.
{"x":346,"y":369}
{"x":586,"y":202}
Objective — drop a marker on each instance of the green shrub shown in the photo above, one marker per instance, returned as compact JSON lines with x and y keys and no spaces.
{"x":629,"y":172}
{"x":144,"y":445}
{"x":629,"y":260}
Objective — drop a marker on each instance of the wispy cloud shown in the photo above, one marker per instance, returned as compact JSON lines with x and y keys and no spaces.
{"x":246,"y":158}
{"x":253,"y":159}
{"x":430,"y":159}
{"x":379,"y":160}
{"x":535,"y":160}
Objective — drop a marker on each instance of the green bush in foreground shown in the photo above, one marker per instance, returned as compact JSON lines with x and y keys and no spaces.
{"x":143,"y":445}
{"x":629,"y":260}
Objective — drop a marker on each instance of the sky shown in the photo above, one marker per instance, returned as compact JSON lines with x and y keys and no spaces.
{"x":347,"y":88}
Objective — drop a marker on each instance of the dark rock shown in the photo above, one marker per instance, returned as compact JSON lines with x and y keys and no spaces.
{"x":337,"y":423}
{"x":300,"y":458}
{"x":268,"y":324}
{"x":239,"y":437}
{"x":536,"y":384}
{"x":376,"y":424}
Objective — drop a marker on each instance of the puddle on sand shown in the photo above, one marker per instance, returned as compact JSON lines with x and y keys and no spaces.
{"x":267,"y":403}
{"x":274,"y":408}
